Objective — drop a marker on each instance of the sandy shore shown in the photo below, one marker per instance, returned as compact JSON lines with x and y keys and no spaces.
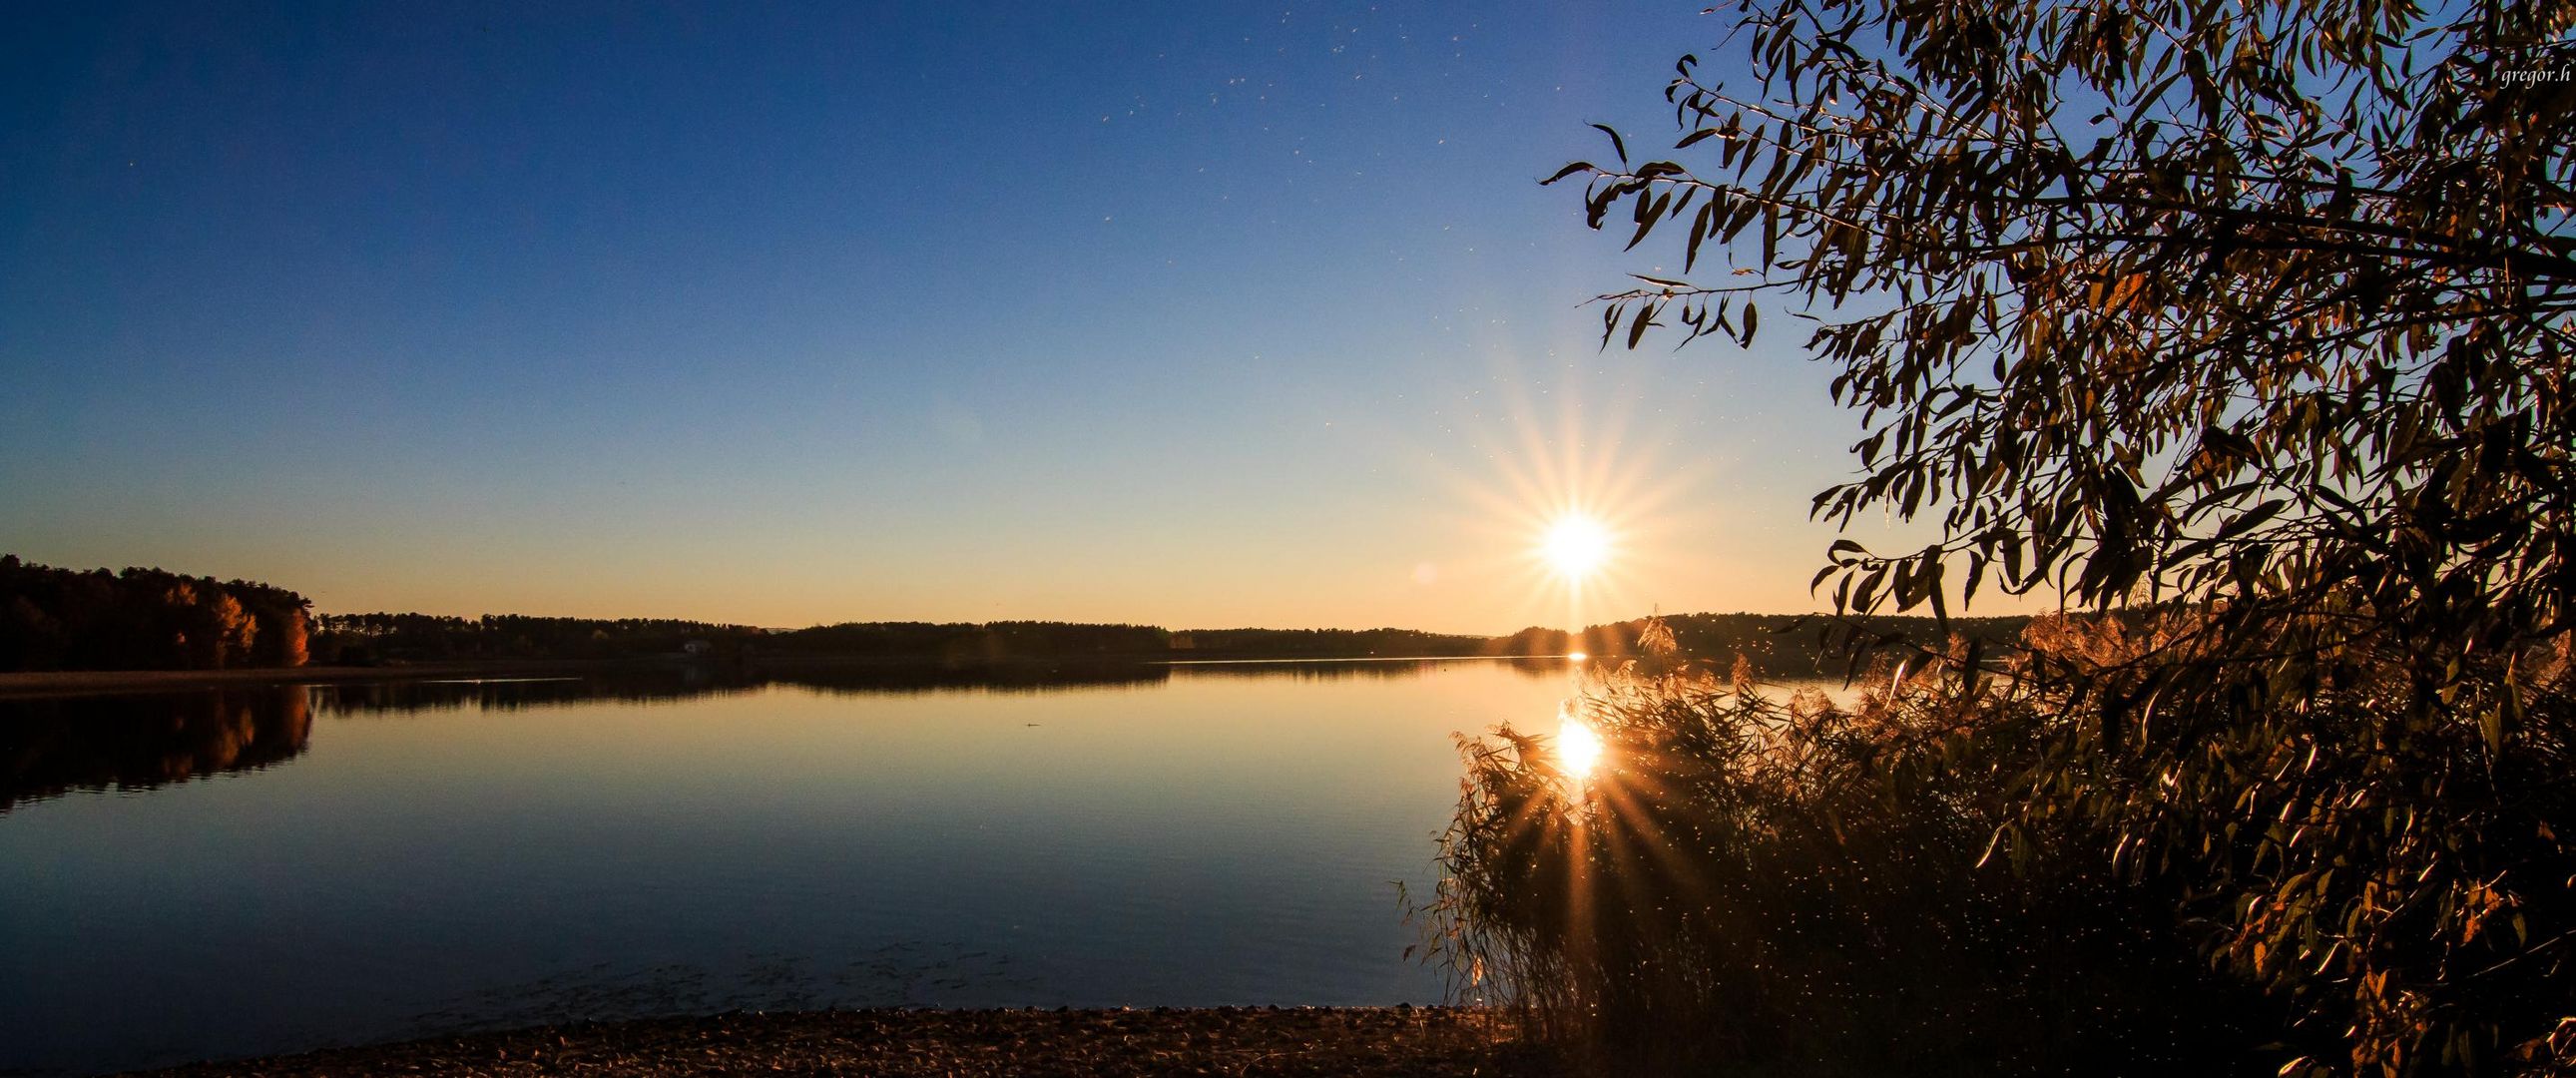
{"x":1375,"y":1042}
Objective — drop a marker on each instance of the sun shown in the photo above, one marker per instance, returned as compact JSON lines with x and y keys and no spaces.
{"x":1575,"y":546}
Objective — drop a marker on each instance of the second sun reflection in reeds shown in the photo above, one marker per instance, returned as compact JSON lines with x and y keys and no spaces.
{"x":1578,"y":747}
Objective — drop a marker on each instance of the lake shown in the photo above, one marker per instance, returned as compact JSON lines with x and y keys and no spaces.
{"x":244,"y":872}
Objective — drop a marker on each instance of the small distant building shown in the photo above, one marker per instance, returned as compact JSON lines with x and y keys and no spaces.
{"x":697,"y":649}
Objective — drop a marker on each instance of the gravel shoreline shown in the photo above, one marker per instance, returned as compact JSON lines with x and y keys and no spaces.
{"x":1374,"y":1042}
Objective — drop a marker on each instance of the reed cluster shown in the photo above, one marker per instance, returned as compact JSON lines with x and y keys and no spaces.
{"x":2026,"y":872}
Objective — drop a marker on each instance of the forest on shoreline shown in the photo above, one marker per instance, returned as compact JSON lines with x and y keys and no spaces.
{"x":54,"y":619}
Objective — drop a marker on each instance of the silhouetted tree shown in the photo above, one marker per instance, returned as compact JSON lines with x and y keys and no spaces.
{"x":143,"y":619}
{"x":2256,"y":318}
{"x":2263,"y":304}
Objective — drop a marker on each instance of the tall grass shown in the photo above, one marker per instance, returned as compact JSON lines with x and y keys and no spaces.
{"x":1945,"y":879}
{"x":1782,"y":887}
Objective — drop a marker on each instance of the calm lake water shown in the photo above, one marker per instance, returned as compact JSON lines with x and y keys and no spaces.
{"x":222,"y":874}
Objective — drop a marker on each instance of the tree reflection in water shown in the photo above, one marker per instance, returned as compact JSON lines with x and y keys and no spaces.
{"x":50,"y":746}
{"x":53,"y":745}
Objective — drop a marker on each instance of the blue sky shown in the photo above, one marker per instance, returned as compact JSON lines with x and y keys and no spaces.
{"x":1187,"y":314}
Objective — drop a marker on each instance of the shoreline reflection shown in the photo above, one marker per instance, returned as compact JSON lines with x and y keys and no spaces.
{"x":55,"y":745}
{"x":51,"y":746}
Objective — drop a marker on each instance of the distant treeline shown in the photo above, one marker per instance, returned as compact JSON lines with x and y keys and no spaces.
{"x":1777,"y":645}
{"x":1323,"y":643}
{"x":147,"y":619}
{"x":969,"y":642}
{"x":144,"y":619}
{"x":377,"y":638}
{"x":370,"y":639}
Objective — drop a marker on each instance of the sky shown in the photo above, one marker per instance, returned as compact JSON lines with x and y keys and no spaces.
{"x":1193,"y":314}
